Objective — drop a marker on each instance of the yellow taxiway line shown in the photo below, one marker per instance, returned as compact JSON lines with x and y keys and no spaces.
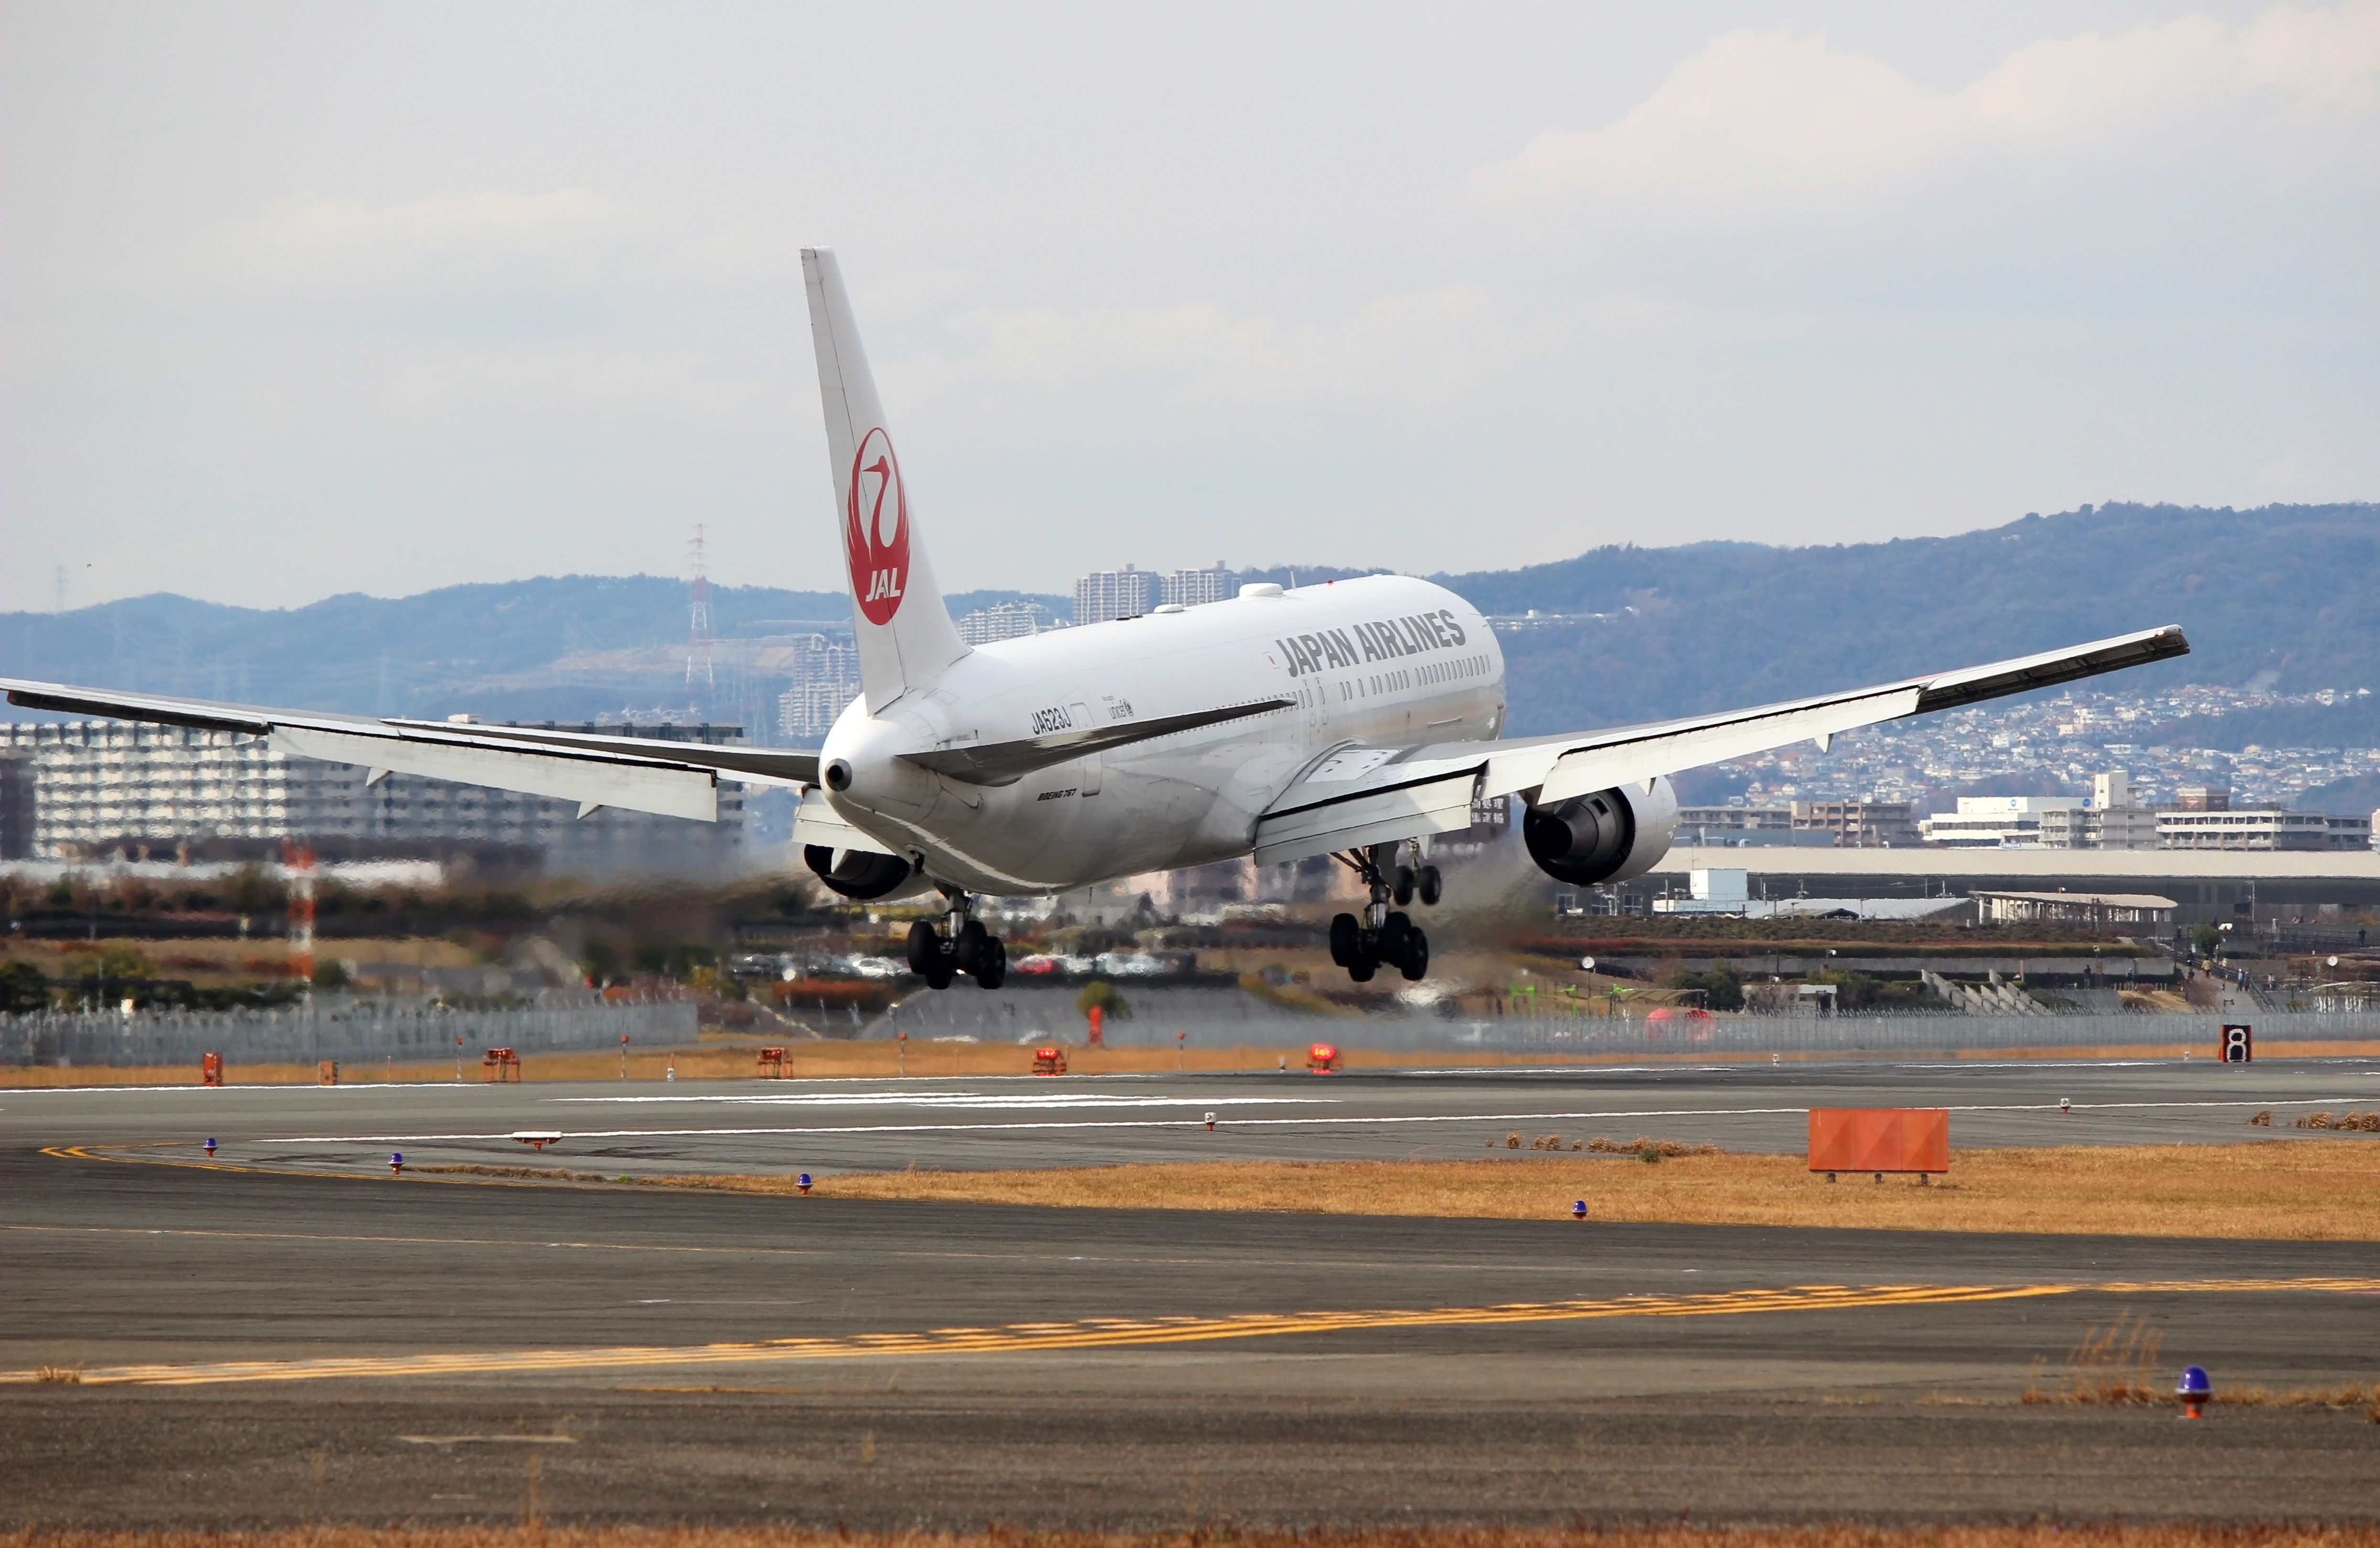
{"x":1121,"y":1332}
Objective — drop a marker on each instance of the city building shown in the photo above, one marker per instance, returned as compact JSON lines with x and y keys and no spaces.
{"x":2202,"y":798}
{"x":1189,"y":588}
{"x":1107,"y":594}
{"x":825,"y":680}
{"x":1996,"y":821}
{"x":1006,"y":621}
{"x":102,"y":787}
{"x":1741,"y":824}
{"x":17,"y":793}
{"x":2110,"y":819}
{"x":2220,"y":829}
{"x":1857,"y":824}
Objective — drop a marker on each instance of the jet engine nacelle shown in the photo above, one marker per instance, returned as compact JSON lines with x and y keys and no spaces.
{"x":862,"y":875}
{"x":1612,"y":835}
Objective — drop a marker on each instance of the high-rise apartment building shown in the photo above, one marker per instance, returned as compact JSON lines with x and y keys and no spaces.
{"x":1106,"y":594}
{"x":825,"y":680}
{"x":1189,"y":588}
{"x":1006,"y":621}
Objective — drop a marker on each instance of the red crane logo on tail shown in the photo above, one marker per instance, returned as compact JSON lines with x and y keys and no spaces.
{"x":877,"y":502}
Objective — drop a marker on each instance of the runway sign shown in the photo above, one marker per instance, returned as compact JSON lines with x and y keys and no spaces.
{"x":2238,"y":1046}
{"x":1880,"y":1140}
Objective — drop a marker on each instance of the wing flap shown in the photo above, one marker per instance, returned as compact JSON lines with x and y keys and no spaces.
{"x":590,"y":782}
{"x":816,"y":822}
{"x":673,"y":778}
{"x":1582,"y":773}
{"x":1437,"y":802}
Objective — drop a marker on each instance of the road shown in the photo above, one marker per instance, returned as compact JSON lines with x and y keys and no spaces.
{"x":261,"y":1346}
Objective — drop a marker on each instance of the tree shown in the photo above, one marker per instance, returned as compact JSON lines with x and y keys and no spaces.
{"x":1100,"y":993}
{"x":22,"y":987}
{"x":2204,"y":939}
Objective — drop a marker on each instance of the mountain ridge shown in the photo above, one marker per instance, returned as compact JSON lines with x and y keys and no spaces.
{"x":2282,"y":596}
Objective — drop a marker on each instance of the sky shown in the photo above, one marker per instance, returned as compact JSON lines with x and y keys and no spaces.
{"x":306,"y":299}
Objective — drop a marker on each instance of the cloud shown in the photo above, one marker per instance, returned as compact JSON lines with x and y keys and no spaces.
{"x":1762,"y":129}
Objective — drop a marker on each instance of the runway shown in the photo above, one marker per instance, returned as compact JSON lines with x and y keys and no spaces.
{"x":267,"y":1345}
{"x":647,"y":1128}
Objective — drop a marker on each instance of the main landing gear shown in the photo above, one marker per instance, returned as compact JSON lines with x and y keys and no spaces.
{"x":939,"y":955}
{"x":1382,"y":938}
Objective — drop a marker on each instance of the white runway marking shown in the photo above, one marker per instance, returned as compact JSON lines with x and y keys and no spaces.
{"x":961,"y":1099}
{"x":1333,"y":1122}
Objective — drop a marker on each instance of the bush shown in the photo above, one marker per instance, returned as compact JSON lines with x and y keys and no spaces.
{"x":1721,"y":987}
{"x":1100,"y":992}
{"x":22,"y":987}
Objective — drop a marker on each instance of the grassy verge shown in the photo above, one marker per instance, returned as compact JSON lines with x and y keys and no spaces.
{"x":2325,"y":1190}
{"x":883,"y":1060}
{"x":539,"y":1534}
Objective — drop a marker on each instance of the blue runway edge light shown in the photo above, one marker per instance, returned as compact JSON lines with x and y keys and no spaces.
{"x":2193,"y":1389}
{"x":1578,"y":1210}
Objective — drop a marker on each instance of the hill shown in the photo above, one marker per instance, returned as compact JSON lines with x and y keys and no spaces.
{"x":2285,"y":597}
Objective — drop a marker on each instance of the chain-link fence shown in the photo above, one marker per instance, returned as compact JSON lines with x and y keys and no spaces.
{"x":305,"y":1035}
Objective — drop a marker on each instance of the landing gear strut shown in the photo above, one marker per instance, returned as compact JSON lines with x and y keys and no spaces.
{"x":964,"y":946}
{"x":1382,"y":938}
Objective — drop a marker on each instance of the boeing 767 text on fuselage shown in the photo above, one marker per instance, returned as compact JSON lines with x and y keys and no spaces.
{"x":1355,"y":719}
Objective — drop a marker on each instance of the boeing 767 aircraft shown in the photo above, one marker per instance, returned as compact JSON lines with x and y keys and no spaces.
{"x":1353,"y":719}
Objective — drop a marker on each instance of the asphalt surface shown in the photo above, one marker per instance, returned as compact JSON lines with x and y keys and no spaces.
{"x":646,"y":1127}
{"x":297,"y":1339}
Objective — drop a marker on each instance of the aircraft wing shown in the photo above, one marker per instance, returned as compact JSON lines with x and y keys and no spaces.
{"x":677,"y":778}
{"x":1360,"y":796}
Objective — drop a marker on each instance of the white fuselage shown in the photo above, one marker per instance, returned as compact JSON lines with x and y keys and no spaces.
{"x":1384,"y":660}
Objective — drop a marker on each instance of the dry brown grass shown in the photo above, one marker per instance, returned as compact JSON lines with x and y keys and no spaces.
{"x":547,"y":1534}
{"x":2116,"y":1366}
{"x":737,"y":1057}
{"x":57,"y":1375}
{"x":2301,"y":1190}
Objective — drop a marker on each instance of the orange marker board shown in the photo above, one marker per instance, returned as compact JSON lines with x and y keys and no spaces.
{"x":1879,"y":1139}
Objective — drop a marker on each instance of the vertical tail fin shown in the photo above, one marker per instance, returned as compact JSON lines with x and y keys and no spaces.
{"x":905,"y":635}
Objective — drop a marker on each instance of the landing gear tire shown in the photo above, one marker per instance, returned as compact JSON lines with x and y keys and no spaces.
{"x":1394,"y":935}
{"x":1414,"y":963}
{"x":1345,"y":946}
{"x":1432,"y":886}
{"x":976,"y":952}
{"x":991,"y":968}
{"x":1361,"y":971}
{"x":1402,"y":888}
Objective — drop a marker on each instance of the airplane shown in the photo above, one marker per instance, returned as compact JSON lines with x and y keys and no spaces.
{"x":1357,"y":718}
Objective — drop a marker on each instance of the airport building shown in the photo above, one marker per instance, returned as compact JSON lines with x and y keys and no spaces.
{"x":105,"y":787}
{"x":2202,"y":885}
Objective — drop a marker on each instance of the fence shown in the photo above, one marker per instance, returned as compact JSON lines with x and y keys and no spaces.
{"x":1233,"y":1019}
{"x":304,"y":1036}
